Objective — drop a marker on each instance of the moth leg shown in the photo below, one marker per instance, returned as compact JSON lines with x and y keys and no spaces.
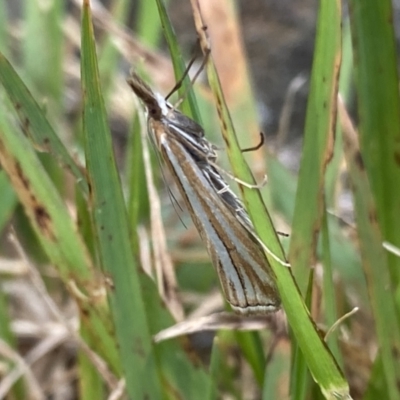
{"x":259,"y":145}
{"x":239,"y":181}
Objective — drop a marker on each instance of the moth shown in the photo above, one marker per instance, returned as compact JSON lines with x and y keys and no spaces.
{"x":224,"y":226}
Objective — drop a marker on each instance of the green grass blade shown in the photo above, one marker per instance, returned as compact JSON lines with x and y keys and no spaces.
{"x":318,"y":141}
{"x":43,"y":48}
{"x":376,"y":77}
{"x":300,"y":378}
{"x":109,"y":55}
{"x":299,"y":375}
{"x":253,"y":351}
{"x":182,"y":378}
{"x":189,"y":104}
{"x":317,"y":149}
{"x":345,"y":257}
{"x":43,"y":206}
{"x":215,"y":365}
{"x":328,"y":289}
{"x":276,"y":369}
{"x":111,"y":229}
{"x":91,"y":385}
{"x":319,"y":360}
{"x":377,"y":385}
{"x":345,"y":89}
{"x":148,"y":23}
{"x":35,"y":124}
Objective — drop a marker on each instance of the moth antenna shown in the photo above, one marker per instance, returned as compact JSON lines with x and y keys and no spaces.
{"x":193,"y":80}
{"x":179,"y":84}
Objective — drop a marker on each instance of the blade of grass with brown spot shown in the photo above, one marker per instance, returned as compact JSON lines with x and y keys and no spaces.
{"x":335,"y":166}
{"x":230,"y":62}
{"x":34,"y":121}
{"x":57,"y":233}
{"x":376,"y":77}
{"x":319,"y":359}
{"x":317,"y":150}
{"x":318,"y":141}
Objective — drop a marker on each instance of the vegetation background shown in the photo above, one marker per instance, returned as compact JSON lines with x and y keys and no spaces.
{"x":104,"y":291}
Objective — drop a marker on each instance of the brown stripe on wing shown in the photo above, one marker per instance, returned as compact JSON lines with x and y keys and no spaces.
{"x":210,"y":204}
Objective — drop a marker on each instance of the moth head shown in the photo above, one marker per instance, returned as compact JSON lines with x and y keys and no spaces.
{"x":146,"y":95}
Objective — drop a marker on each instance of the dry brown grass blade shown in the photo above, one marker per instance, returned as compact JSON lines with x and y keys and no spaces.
{"x":227,"y":47}
{"x":118,"y":392}
{"x":205,"y":305}
{"x":218,"y":321}
{"x":287,"y":110}
{"x":145,"y":251}
{"x":230,"y":60}
{"x":12,"y":267}
{"x":54,"y":312}
{"x":346,"y":123}
{"x":22,"y":369}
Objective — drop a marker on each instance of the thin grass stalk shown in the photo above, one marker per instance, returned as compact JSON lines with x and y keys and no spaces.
{"x":320,"y":361}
